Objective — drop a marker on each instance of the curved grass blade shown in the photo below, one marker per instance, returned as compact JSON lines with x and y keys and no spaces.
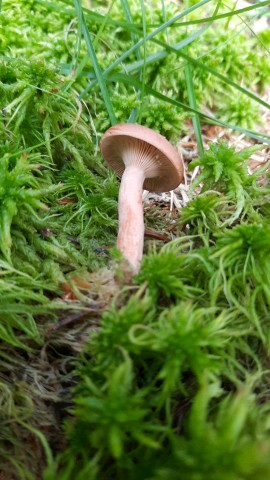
{"x":224,"y":15}
{"x":178,"y":49}
{"x":132,"y":81}
{"x":150,"y":35}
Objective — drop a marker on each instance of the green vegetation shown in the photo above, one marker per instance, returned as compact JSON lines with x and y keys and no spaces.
{"x":165,"y":376}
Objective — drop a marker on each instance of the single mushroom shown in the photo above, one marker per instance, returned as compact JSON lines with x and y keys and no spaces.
{"x":145,"y":160}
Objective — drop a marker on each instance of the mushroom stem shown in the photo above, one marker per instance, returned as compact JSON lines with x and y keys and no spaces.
{"x":131,"y":225}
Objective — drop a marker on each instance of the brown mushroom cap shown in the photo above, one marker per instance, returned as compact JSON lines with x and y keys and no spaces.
{"x":125,"y":144}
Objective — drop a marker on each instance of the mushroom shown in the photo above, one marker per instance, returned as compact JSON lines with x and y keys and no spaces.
{"x":145,"y":160}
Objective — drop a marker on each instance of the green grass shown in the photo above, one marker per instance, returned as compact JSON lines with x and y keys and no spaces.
{"x":172,"y":375}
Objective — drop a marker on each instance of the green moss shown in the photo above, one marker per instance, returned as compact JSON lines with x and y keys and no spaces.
{"x":225,"y":170}
{"x":173,"y":380}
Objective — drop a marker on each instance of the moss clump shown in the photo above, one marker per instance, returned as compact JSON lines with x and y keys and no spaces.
{"x":174,"y":379}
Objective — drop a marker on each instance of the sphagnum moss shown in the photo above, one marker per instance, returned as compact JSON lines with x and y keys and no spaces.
{"x":166,"y":388}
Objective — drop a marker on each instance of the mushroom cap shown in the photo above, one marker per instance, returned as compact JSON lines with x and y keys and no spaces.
{"x":131,"y":144}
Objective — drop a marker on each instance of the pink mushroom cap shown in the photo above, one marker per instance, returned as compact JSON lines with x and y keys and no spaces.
{"x":128,"y":143}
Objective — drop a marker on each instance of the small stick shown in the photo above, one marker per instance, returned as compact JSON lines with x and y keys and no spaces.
{"x":158,"y":236}
{"x":75,"y":317}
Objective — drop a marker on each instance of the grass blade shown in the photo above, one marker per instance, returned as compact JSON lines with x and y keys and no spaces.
{"x":177,"y":49}
{"x":143,"y":72}
{"x":97,"y":69}
{"x":103,"y":24}
{"x":134,"y":82}
{"x":180,"y":45}
{"x":223,"y":15}
{"x":193,"y":104}
{"x":134,"y":37}
{"x":151,"y":35}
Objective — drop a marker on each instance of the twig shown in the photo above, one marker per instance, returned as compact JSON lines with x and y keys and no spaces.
{"x":75,"y":317}
{"x":158,"y":236}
